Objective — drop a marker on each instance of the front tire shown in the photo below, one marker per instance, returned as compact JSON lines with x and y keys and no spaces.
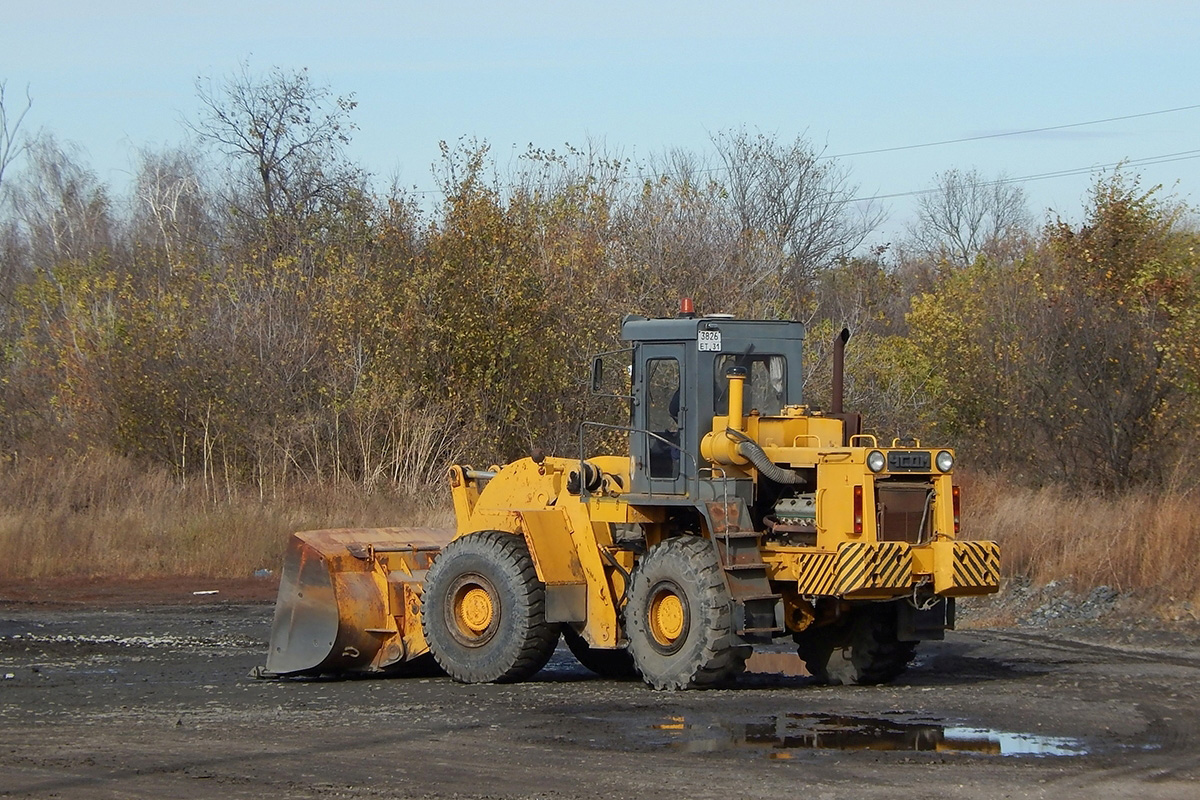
{"x":679,"y":618}
{"x":484,"y":610}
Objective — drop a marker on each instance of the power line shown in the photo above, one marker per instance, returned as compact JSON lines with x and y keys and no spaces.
{"x":1165,"y":158}
{"x":901,"y":148}
{"x":1010,"y":133}
{"x":1147,"y":161}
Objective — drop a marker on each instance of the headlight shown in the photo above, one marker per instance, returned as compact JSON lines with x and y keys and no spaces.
{"x":876,"y":461}
{"x":945,"y":460}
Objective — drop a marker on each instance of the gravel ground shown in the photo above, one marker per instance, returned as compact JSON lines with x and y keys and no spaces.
{"x":127,"y":697}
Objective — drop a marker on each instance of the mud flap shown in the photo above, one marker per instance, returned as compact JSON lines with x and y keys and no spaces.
{"x":916,"y":625}
{"x":566,"y":603}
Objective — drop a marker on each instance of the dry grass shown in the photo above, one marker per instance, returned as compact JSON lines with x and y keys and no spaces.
{"x":105,"y":516}
{"x":1147,"y":544}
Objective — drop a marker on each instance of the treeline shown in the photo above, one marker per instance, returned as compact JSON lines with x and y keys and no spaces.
{"x":254,"y":314}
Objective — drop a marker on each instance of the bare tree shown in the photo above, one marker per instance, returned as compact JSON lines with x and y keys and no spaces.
{"x":171,"y":207}
{"x":287,"y":130}
{"x":61,"y":205}
{"x":802,"y":203}
{"x":967,"y":215}
{"x":12,"y":144}
{"x":677,"y":235}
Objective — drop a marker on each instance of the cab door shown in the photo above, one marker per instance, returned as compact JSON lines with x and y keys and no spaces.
{"x":660,"y":447}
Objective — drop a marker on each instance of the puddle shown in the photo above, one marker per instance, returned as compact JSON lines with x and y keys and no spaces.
{"x":780,"y":734}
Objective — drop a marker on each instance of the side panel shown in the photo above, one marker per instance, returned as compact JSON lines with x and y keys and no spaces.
{"x":602,"y":628}
{"x":554,"y":556}
{"x":550,"y":544}
{"x":565,"y":545}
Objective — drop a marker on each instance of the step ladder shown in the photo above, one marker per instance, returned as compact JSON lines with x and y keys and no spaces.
{"x":757,"y":610}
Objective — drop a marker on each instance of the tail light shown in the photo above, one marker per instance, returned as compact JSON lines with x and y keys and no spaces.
{"x":954,"y":494}
{"x":858,"y":509}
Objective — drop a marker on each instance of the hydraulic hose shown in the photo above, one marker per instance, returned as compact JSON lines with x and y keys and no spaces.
{"x":750,"y":449}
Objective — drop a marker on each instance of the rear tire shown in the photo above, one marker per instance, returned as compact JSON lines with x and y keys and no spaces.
{"x":615,"y":664}
{"x":484,"y":610}
{"x":863,"y":651}
{"x":679,"y":619}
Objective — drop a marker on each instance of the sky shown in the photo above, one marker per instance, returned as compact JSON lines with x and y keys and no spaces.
{"x":638,"y":78}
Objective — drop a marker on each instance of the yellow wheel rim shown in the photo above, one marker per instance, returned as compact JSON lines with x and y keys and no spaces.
{"x":475,"y":610}
{"x":666,"y":617}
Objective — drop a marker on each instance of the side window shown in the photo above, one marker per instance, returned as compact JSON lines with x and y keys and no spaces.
{"x":662,"y":416}
{"x":766,"y":380}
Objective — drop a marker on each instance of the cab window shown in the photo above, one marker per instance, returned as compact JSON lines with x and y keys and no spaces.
{"x":766,"y":379}
{"x":662,"y":416}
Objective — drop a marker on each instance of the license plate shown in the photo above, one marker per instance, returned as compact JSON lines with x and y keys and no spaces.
{"x":908,"y":461}
{"x":709,"y":341}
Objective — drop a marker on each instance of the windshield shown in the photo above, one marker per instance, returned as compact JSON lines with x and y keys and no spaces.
{"x":766,"y":377}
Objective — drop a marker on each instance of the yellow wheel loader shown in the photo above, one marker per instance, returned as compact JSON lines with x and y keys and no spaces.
{"x":738,"y":516}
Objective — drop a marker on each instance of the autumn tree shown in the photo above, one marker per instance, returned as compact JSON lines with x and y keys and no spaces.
{"x":12,"y":246}
{"x":1122,"y":288}
{"x":174,"y":222}
{"x":1073,"y":363}
{"x":886,"y":379}
{"x":60,"y":317}
{"x":63,"y":209}
{"x":680,"y":236}
{"x":294,"y":223}
{"x":478,"y":282}
{"x":973,"y":334}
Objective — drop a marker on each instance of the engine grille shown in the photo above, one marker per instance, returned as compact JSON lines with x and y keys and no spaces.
{"x":903,"y":511}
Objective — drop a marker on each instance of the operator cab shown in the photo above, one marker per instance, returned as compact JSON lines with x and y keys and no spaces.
{"x":679,"y":383}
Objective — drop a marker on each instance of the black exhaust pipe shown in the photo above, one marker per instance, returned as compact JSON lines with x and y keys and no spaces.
{"x":839,"y":364}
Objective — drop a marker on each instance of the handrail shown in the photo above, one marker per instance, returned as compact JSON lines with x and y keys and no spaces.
{"x":584,"y":494}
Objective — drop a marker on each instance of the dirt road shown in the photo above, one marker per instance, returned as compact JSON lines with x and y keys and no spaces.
{"x":157,"y":703}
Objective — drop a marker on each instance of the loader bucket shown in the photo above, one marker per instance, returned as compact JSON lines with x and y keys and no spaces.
{"x":341,"y":606}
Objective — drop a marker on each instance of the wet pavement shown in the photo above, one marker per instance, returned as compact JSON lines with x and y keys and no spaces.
{"x":158,"y":703}
{"x":774,"y":736}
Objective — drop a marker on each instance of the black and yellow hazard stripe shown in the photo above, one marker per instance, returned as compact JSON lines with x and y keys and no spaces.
{"x":855,"y":568}
{"x":894,"y":566}
{"x":816,"y":571}
{"x":976,"y":564}
{"x":873,"y":565}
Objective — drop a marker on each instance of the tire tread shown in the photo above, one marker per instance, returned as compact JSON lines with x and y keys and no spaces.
{"x":537,"y":637}
{"x":722,"y":656}
{"x":865,"y":651}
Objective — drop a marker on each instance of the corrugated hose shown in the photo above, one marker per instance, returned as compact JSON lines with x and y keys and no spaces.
{"x":751,"y":450}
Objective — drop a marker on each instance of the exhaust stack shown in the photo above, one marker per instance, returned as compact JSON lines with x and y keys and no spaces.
{"x":839,"y":364}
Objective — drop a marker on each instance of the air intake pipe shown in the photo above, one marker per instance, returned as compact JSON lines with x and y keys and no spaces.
{"x":737,"y":389}
{"x":752,"y":452}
